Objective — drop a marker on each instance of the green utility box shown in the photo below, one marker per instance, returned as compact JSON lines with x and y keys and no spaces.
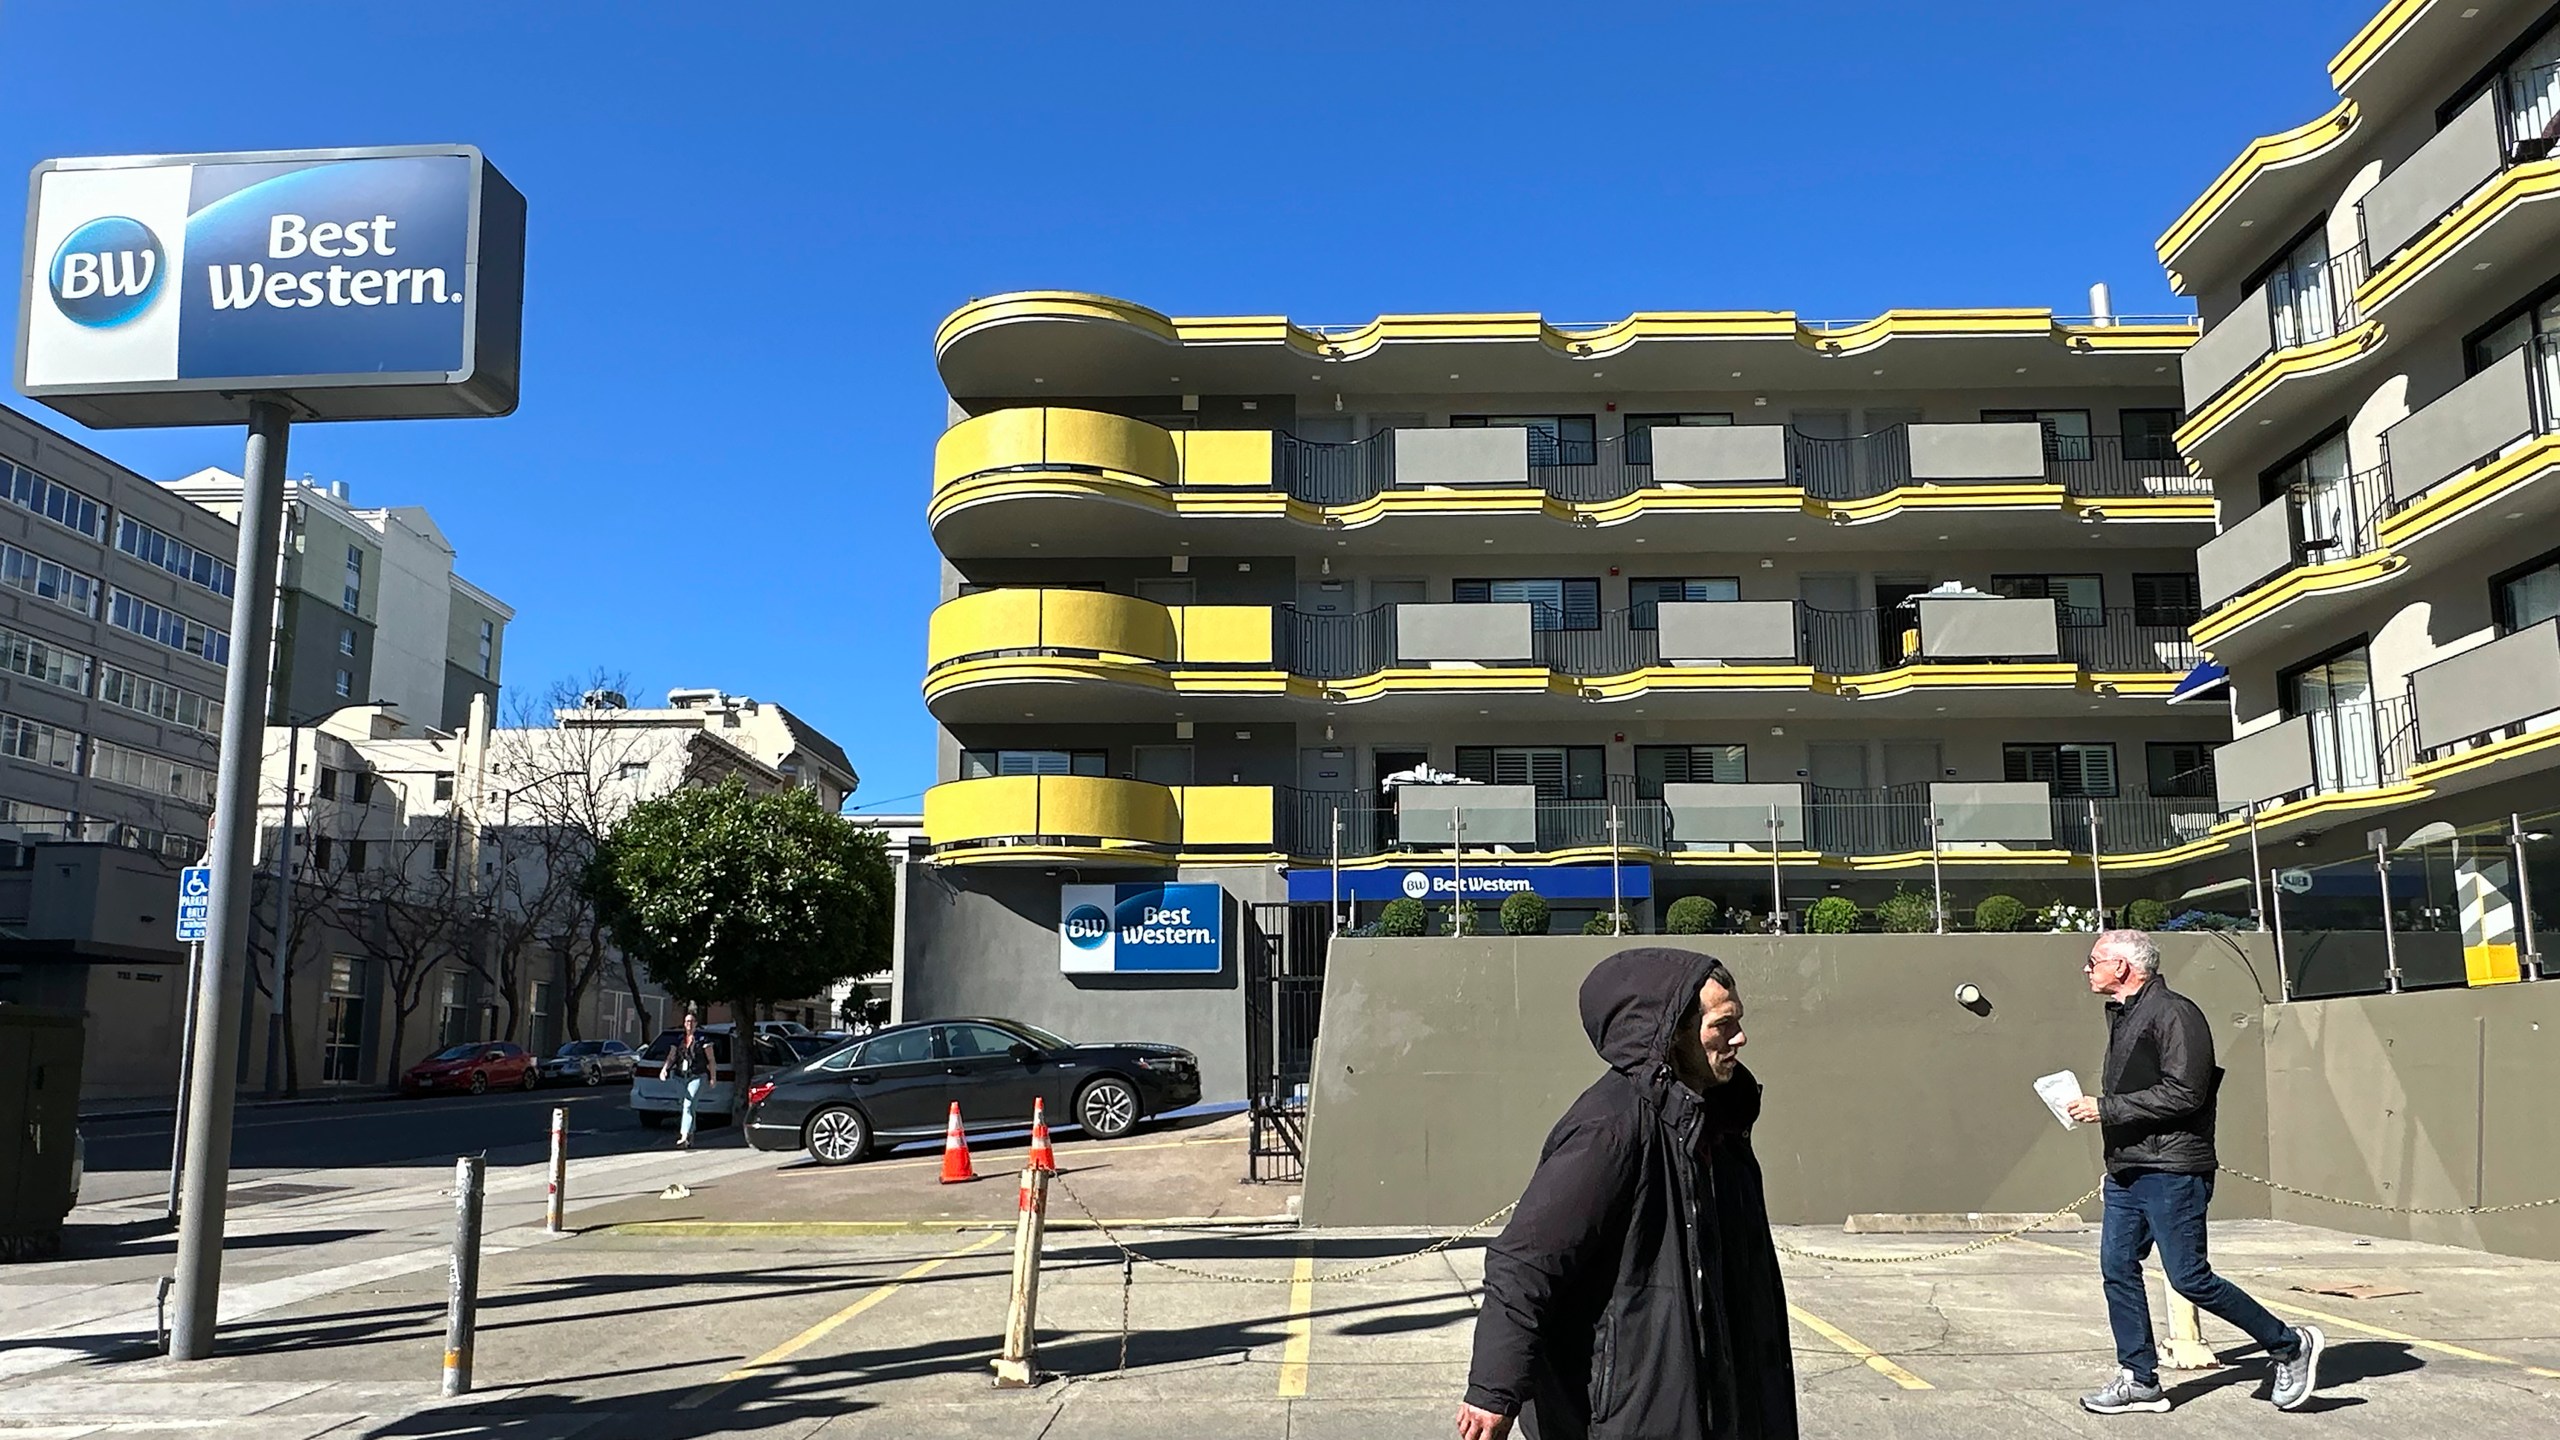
{"x":39,"y":1127}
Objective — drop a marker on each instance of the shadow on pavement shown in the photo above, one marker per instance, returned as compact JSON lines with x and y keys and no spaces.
{"x":2342,"y":1364}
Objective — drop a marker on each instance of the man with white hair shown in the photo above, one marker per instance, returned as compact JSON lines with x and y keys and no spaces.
{"x":2156,"y":1113}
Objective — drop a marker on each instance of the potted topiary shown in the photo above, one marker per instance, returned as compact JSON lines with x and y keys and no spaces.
{"x":1604,"y":923}
{"x":1403,"y":919}
{"x":1689,"y":915}
{"x":1461,"y":918}
{"x":2000,"y":913}
{"x":2146,"y":914}
{"x":1906,"y":912}
{"x":1524,"y":913}
{"x":1832,"y":915}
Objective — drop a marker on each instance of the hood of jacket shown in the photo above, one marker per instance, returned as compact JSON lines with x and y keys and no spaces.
{"x":1632,"y":1006}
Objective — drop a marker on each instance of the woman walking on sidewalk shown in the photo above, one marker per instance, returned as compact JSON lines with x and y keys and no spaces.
{"x":690,"y":1061}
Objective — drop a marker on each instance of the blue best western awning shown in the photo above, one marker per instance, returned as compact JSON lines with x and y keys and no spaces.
{"x":2202,"y":683}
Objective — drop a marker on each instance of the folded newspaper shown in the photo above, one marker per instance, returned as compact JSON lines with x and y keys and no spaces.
{"x":2057,"y":1091}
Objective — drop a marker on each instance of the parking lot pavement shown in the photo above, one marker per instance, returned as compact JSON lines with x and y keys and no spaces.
{"x":1270,"y":1332}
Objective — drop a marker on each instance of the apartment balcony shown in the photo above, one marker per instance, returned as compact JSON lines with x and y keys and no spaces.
{"x":2483,"y":449}
{"x":2284,"y":356}
{"x":2351,"y":753}
{"x":1096,"y":820}
{"x":1032,"y":463}
{"x":2486,"y":715}
{"x":2451,"y":224}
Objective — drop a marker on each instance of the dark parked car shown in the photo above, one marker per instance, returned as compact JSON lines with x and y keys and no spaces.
{"x":899,"y":1083}
{"x":590,"y":1062}
{"x":477,"y":1067}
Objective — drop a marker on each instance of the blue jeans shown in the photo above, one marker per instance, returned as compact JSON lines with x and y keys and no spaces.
{"x":2168,"y":1210}
{"x":684,"y":1117}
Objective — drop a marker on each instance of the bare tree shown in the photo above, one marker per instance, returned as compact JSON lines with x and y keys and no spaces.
{"x":412,"y":914}
{"x":316,"y":895}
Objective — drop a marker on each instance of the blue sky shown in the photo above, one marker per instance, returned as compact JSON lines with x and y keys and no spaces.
{"x":747,"y":219}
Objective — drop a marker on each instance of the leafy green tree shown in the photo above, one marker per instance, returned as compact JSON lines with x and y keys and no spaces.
{"x":2000,"y":913}
{"x":1832,"y":915}
{"x":722,"y":893}
{"x":1462,"y":918}
{"x":1402,"y":919}
{"x":1525,"y":913}
{"x":1604,"y":923}
{"x":1689,"y":915}
{"x":2146,"y":914}
{"x":1906,"y":912}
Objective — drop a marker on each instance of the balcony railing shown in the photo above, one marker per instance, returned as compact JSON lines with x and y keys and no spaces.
{"x":1854,"y":468}
{"x":2283,"y":314}
{"x":2128,"y":640}
{"x":2513,"y":122}
{"x":2313,"y":524}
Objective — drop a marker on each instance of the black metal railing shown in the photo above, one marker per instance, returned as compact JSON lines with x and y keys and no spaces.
{"x":2128,"y":640}
{"x":1844,"y":642}
{"x":1334,"y":647}
{"x":2115,"y":467}
{"x":1888,"y":820}
{"x":2318,"y":306}
{"x":1334,"y":472}
{"x":1851,"y":468}
{"x":2132,"y":824}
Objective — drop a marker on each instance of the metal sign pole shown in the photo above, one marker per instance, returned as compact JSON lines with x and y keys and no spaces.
{"x":2524,"y":899}
{"x":1777,"y":880}
{"x":2257,"y":872}
{"x":1617,"y":906}
{"x":2097,"y":866}
{"x":1937,"y":878}
{"x":282,"y":934}
{"x":1457,"y":877}
{"x":186,"y":1074}
{"x":1337,"y":870}
{"x":2380,"y":840}
{"x":2284,"y":980}
{"x":232,"y":854}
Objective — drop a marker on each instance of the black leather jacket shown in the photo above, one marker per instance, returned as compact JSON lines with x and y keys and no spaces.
{"x":2155,"y":1104}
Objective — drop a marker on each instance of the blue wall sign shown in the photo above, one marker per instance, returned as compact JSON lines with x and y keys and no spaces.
{"x":195,"y":903}
{"x":1142,"y":929}
{"x":388,"y":283}
{"x":1433,"y":884}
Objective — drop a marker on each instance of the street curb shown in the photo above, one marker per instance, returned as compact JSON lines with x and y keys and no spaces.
{"x":166,"y":1112}
{"x":842,"y":1229}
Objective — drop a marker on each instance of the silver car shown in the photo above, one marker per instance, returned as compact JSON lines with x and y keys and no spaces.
{"x":589,"y":1062}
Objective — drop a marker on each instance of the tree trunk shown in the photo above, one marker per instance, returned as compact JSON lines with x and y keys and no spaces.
{"x":742,"y":1048}
{"x":399,"y":1035}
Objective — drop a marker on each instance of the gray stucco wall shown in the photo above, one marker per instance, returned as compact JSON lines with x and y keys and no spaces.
{"x":1997,"y":451}
{"x":2255,"y":548}
{"x":1441,"y":1065}
{"x":308,"y":660}
{"x":1727,"y":629}
{"x":2423,"y":187}
{"x":2472,"y":419}
{"x":985,"y":942}
{"x":2239,"y":340}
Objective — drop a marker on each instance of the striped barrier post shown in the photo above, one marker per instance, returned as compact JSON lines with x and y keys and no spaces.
{"x":1018,"y":1367}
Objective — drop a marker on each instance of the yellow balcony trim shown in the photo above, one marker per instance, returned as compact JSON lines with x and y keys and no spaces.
{"x":2486,"y":206}
{"x":2294,"y":584}
{"x":2133,"y":684}
{"x":1491,"y":680}
{"x":2267,"y":152}
{"x":1676,"y":679}
{"x":2532,"y":742}
{"x":2145,"y":508}
{"x":1591,"y":342}
{"x":991,"y":621}
{"x":1907,"y":678}
{"x":2027,"y":496}
{"x":2372,"y":40}
{"x":2453,"y":498}
{"x":1962,"y":859}
{"x":2290,"y":364}
{"x":1225,"y":815}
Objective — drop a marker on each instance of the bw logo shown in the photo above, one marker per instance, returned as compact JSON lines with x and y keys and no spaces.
{"x":107,"y":272}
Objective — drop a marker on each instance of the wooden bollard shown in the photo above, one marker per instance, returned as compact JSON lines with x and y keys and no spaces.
{"x":1019,"y":1365}
{"x":555,"y":1218}
{"x":2186,"y":1349}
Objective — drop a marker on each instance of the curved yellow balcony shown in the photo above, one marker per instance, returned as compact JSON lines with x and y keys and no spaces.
{"x":1093,"y":819}
{"x":2275,"y":175}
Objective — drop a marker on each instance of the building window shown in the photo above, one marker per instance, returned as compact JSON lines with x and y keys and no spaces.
{"x":326,"y":787}
{"x":158,"y":699}
{"x":54,"y":501}
{"x":342,"y":1025}
{"x":39,"y":744}
{"x":355,"y":855}
{"x":454,"y":1010}
{"x":2336,"y":692}
{"x":982,"y":764}
{"x":364,"y":783}
{"x":323,"y":852}
{"x":488,"y":647}
{"x":1560,"y":772}
{"x":2066,"y":432}
{"x":1553,"y":439}
{"x":2149,"y":434}
{"x":2082,"y":599}
{"x":2166,"y":599}
{"x":444,"y":787}
{"x":443,"y":855}
{"x":1569,"y":604}
{"x":2079,"y":771}
{"x":176,"y":556}
{"x":2179,"y":768}
{"x":345,"y":685}
{"x":44,"y":661}
{"x":168,"y":627}
{"x":46,"y":580}
{"x":1660,"y":765}
{"x":1640,"y":428}
{"x":346,"y":640}
{"x":141,"y":770}
{"x":1644,"y":595}
{"x":2527,"y":597}
{"x":354,"y":596}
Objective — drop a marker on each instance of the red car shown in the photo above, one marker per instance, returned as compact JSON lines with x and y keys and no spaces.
{"x":477,"y":1068}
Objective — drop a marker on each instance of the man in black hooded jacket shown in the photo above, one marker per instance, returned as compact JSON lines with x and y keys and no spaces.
{"x":1635,"y":1292}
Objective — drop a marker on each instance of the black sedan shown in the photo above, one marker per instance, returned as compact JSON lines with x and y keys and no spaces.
{"x":898,"y":1084}
{"x":589,"y":1062}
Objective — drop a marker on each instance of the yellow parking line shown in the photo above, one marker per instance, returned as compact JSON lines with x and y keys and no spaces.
{"x":1302,"y":1324}
{"x":820,"y":1331}
{"x":1850,"y":1346}
{"x":1095,"y":1149}
{"x":2459,"y":1352}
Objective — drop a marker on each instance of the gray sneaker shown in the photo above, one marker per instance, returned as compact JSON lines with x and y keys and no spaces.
{"x":2298,"y":1377}
{"x":2125,"y":1396}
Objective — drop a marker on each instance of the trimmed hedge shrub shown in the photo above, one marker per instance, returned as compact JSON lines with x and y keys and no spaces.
{"x":2000,"y":914}
{"x":1599,"y":924}
{"x":1462,"y":919}
{"x":1689,"y":915}
{"x":1832,"y":915}
{"x":1524,"y":913}
{"x":1906,"y":912}
{"x":2146,"y":914}
{"x":1402,"y":919}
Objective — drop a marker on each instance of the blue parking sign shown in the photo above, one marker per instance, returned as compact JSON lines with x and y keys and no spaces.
{"x":195,"y":902}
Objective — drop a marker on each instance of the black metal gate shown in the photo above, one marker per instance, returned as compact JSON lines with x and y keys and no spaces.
{"x":1284,"y":957}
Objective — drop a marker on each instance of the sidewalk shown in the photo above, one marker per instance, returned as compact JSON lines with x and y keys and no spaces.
{"x":144,"y":1107}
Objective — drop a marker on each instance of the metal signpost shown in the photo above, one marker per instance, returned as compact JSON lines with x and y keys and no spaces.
{"x":195,"y":914}
{"x":258,"y":289}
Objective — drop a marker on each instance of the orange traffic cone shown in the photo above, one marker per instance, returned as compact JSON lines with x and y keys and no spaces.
{"x":955,"y":1151}
{"x":1043,"y":1157}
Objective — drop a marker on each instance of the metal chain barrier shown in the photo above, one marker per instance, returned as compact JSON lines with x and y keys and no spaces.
{"x":2391,"y":1209}
{"x":1132,"y":1256}
{"x":1985,"y":1243}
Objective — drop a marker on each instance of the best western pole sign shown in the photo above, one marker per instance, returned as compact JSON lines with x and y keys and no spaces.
{"x":375,"y":284}
{"x":1142,"y":929}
